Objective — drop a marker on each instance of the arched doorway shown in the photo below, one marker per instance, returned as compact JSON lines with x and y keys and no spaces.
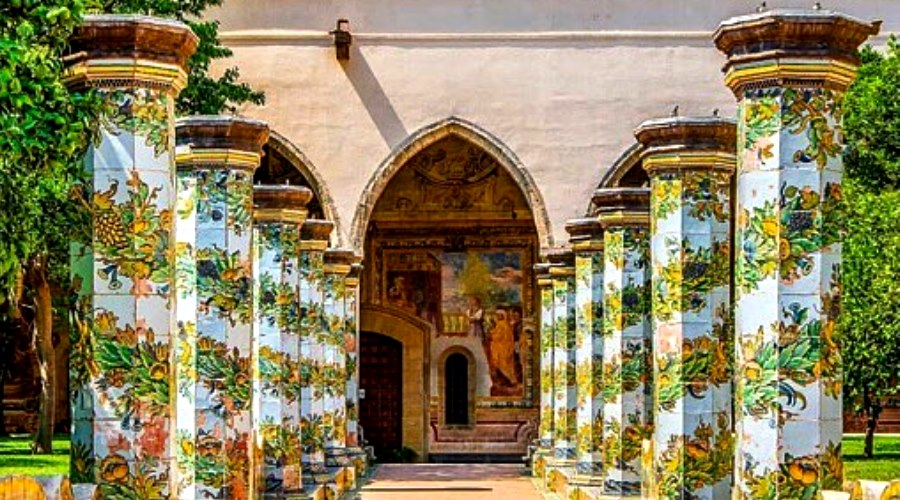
{"x":381,"y":380}
{"x":450,"y":237}
{"x":456,"y":390}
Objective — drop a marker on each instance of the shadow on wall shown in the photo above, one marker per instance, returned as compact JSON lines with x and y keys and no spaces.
{"x":372,"y":95}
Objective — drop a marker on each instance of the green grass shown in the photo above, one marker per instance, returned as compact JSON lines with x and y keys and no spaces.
{"x":16,"y":457}
{"x":884,"y":466}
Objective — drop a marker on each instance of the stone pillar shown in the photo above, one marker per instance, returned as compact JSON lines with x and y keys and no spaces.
{"x":279,"y":212}
{"x":562,"y":273}
{"x":314,"y":241}
{"x":351,"y":343}
{"x":586,"y":238}
{"x":337,"y":268}
{"x":121,"y":355}
{"x":216,"y":157}
{"x":690,"y":162}
{"x":789,"y":71}
{"x":546,"y":431}
{"x":626,"y":389}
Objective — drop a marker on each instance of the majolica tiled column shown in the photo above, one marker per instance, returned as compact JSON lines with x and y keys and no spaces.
{"x":351,"y":345}
{"x":337,"y":267}
{"x":789,"y":71}
{"x":546,"y":431}
{"x":121,"y":357}
{"x":314,"y":241}
{"x":627,"y":401}
{"x":216,"y":157}
{"x":562,"y":273}
{"x":586,"y":238}
{"x":279,"y":212}
{"x":691,"y":162}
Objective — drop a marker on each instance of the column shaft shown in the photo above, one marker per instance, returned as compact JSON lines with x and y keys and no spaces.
{"x":627,"y":410}
{"x":351,"y":339}
{"x":121,"y":366}
{"x":278,"y":215}
{"x":546,"y":430}
{"x":788,"y":245}
{"x":564,"y":385}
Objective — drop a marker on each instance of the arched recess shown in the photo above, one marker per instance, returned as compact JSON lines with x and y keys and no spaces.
{"x":284,"y":162}
{"x":626,"y":171}
{"x":431,"y":134}
{"x":414,"y":334}
{"x":442,"y":382}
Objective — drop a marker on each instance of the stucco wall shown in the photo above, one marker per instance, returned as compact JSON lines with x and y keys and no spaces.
{"x":560,"y":83}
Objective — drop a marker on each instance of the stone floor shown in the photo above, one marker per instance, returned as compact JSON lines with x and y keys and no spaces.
{"x":450,"y":481}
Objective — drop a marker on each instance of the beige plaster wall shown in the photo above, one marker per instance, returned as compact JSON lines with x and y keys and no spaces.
{"x":560,"y":83}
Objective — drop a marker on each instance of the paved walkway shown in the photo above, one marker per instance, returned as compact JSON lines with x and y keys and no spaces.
{"x":450,"y":481}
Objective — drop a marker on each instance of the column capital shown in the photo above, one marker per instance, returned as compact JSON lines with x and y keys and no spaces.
{"x":585,"y":234}
{"x":618,"y":207}
{"x":280,"y":203}
{"x":219,"y":140}
{"x":558,"y":258}
{"x":788,"y":47}
{"x":339,"y":261}
{"x":129,"y":50}
{"x":315,"y":234}
{"x":355,"y":271}
{"x":686,"y":142}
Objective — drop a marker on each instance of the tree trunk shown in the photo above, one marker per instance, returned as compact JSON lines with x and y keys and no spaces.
{"x":873,"y":411}
{"x":43,"y":340}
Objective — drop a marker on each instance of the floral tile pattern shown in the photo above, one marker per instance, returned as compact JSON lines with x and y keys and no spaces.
{"x":276,"y":354}
{"x":314,"y":376}
{"x":627,"y":415}
{"x":564,"y":401}
{"x":788,"y":237}
{"x":214,"y":311}
{"x":693,"y":344}
{"x":120,"y":366}
{"x":547,"y":431}
{"x":589,"y":359}
{"x":351,"y":350}
{"x":335,"y":378}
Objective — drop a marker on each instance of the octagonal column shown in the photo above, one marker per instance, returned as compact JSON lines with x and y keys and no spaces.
{"x":351,"y":345}
{"x":789,"y":70}
{"x":121,"y":366}
{"x":279,"y":212}
{"x":690,"y":162}
{"x":337,"y":267}
{"x":216,"y":157}
{"x":314,"y":241}
{"x":586,"y":238}
{"x":626,"y":390}
{"x":562,"y":273}
{"x":546,"y":431}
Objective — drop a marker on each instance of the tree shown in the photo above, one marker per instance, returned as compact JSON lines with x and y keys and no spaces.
{"x":870,"y":322}
{"x":46,"y":129}
{"x":203,"y":94}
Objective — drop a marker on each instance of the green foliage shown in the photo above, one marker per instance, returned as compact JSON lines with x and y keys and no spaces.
{"x":204,"y":94}
{"x":872,"y":119}
{"x":870,"y":323}
{"x":45,"y":131}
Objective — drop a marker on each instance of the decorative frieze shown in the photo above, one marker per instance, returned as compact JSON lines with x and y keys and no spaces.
{"x":789,"y":70}
{"x":121,"y":361}
{"x":690,"y":162}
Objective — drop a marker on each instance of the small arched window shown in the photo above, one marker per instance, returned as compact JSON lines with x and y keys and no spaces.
{"x":456,"y":390}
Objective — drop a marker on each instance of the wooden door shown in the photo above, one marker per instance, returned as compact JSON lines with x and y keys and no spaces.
{"x":381,"y":377}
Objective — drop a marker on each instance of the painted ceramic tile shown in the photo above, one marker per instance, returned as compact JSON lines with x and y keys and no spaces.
{"x":589,"y":359}
{"x":627,"y":416}
{"x":564,"y":403}
{"x":547,"y":430}
{"x":312,"y":366}
{"x":788,"y":389}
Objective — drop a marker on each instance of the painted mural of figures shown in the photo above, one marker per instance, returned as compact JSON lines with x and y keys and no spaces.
{"x":503,"y":346}
{"x":398,"y":294}
{"x":475,"y":314}
{"x":515,"y":320}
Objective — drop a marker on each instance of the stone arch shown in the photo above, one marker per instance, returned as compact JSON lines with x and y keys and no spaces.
{"x":626,"y":171}
{"x":415,"y":335}
{"x":427,"y":136}
{"x":287,"y":149}
{"x":442,"y":380}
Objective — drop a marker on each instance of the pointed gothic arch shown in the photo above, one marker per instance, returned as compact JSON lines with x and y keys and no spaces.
{"x":431,"y":134}
{"x":281,"y":150}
